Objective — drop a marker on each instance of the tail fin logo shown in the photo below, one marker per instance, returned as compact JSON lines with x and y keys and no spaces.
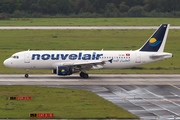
{"x":153,"y":42}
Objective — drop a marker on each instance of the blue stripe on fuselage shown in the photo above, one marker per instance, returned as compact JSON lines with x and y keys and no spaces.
{"x":79,"y":56}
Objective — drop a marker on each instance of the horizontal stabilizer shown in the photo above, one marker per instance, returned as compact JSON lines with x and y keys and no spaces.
{"x":157,"y":56}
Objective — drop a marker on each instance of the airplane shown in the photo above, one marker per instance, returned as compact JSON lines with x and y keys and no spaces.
{"x":69,"y":62}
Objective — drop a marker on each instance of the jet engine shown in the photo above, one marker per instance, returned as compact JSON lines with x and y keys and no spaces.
{"x":64,"y":70}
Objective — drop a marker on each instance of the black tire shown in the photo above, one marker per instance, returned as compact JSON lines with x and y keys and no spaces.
{"x":81,"y":74}
{"x":26,"y":75}
{"x":85,"y":75}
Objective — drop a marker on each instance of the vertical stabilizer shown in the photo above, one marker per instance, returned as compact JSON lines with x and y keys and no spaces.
{"x":156,"y":42}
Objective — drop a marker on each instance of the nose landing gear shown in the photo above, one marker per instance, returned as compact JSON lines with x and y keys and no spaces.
{"x":26,"y":75}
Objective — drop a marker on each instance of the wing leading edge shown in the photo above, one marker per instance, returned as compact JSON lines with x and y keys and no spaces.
{"x":98,"y":64}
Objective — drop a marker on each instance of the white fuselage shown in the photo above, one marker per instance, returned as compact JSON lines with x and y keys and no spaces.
{"x":51,"y":59}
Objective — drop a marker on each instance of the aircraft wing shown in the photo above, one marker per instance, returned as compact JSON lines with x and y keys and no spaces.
{"x":98,"y":64}
{"x":89,"y":65}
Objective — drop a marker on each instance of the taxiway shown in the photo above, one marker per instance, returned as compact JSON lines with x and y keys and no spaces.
{"x":94,"y":79}
{"x":147,"y":96}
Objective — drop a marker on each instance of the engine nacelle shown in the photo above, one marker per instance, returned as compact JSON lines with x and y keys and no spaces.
{"x":65,"y":70}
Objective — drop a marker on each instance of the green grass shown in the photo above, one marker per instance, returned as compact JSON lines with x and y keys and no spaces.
{"x":89,"y":21}
{"x":64,"y":103}
{"x":19,"y":40}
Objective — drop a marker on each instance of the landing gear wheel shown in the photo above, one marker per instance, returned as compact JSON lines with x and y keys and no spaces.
{"x":81,"y":74}
{"x":26,"y":75}
{"x":84,"y":75}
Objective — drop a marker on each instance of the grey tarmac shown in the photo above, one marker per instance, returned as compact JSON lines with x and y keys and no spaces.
{"x":147,"y":96}
{"x":84,"y":27}
{"x":94,"y":79}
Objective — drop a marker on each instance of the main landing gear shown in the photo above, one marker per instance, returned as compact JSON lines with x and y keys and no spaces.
{"x":84,"y":75}
{"x":26,"y":75}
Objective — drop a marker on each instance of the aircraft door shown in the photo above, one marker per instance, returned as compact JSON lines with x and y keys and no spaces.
{"x":138,"y":58}
{"x":27,"y":57}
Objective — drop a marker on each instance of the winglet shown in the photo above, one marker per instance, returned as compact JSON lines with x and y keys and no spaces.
{"x":156,"y":42}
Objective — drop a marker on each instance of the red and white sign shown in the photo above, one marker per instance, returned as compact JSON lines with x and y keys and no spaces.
{"x":127,"y":54}
{"x":23,"y":98}
{"x":45,"y":115}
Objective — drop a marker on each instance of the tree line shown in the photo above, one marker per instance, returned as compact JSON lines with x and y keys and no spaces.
{"x":90,"y":8}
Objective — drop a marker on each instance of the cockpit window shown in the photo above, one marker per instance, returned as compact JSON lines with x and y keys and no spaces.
{"x":15,"y":57}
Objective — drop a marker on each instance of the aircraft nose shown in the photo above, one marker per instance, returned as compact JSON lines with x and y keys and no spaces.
{"x":6,"y":63}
